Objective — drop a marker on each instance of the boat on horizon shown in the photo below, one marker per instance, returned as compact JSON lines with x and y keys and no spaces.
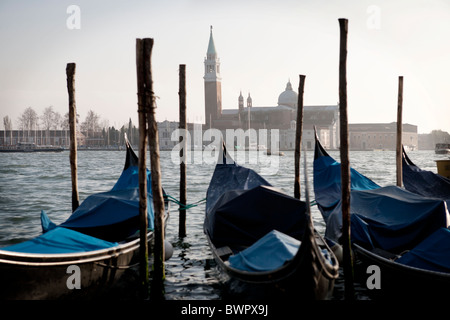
{"x":442,"y":148}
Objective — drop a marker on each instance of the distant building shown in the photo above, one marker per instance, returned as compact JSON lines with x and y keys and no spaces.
{"x":374,"y":136}
{"x":168,"y":140}
{"x":282,"y":117}
{"x":39,"y":137}
{"x":165,"y":130}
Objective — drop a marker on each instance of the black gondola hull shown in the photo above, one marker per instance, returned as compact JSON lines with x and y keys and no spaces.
{"x":398,"y":281}
{"x":40,"y":276}
{"x":305,"y":277}
{"x":242,"y":208}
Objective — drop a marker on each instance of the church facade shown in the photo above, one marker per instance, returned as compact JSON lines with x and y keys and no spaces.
{"x":281,"y":117}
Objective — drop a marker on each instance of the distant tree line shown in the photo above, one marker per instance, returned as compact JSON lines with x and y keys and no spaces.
{"x":440,"y":136}
{"x":95,"y":129}
{"x":428,"y":141}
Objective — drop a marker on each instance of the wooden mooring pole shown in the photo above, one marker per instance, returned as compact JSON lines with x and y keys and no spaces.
{"x":345,"y":163}
{"x":142,"y":60}
{"x":399,"y":132}
{"x":183,"y":150}
{"x":157,"y":287}
{"x":298,"y":136}
{"x":70,"y":72}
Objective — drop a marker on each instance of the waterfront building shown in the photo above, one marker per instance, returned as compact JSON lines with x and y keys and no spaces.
{"x":58,"y":138}
{"x":381,"y":136}
{"x":165,"y":130}
{"x":281,"y":116}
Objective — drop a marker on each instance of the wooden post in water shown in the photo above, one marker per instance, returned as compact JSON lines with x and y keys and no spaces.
{"x":157,"y":287}
{"x":183,"y":144}
{"x":345,"y":163}
{"x":399,"y":132}
{"x":142,"y":62}
{"x":70,"y":72}
{"x":298,"y":136}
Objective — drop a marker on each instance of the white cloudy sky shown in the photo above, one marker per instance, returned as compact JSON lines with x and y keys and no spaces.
{"x":261,"y":43}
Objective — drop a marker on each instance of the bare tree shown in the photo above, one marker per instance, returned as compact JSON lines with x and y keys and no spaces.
{"x":91,"y":124}
{"x":48,"y":120}
{"x":57,"y":121}
{"x":27,"y":121}
{"x":7,"y":123}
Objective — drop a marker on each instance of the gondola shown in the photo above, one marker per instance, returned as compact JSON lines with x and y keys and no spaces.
{"x":403,"y":235}
{"x":85,"y":254}
{"x":263,"y":240}
{"x":424,"y":182}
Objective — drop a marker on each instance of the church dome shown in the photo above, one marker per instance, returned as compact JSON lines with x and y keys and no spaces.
{"x":288,"y":97}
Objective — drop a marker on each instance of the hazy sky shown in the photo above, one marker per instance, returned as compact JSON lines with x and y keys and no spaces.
{"x":261,"y":44}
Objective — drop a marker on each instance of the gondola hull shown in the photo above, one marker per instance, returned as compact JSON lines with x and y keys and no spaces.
{"x":400,"y":239}
{"x":248,"y":223}
{"x":39,"y":276}
{"x":391,"y":280}
{"x":299,"y":279}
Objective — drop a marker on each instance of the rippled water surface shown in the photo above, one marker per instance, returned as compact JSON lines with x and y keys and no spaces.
{"x":31,"y":182}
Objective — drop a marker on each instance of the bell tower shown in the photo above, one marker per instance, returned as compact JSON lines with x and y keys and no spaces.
{"x":241,"y":102}
{"x":213,"y":84}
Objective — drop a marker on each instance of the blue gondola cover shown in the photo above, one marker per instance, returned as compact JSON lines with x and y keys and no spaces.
{"x":60,"y":240}
{"x":424,"y":182}
{"x":268,"y":253}
{"x":110,"y":215}
{"x":230,"y":176}
{"x":235,"y":189}
{"x":389,"y":218}
{"x":432,"y":254}
{"x":394,"y":219}
{"x":102,"y":219}
{"x":327,"y":182}
{"x":266,"y":208}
